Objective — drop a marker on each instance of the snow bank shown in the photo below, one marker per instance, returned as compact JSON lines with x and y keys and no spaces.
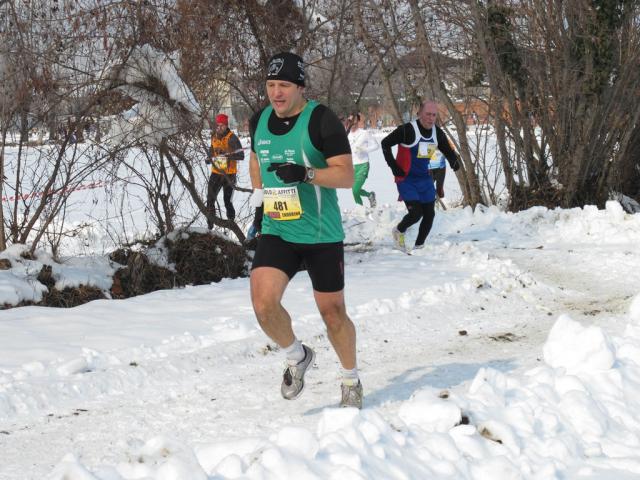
{"x":20,"y":285}
{"x":20,"y":282}
{"x":572,"y":416}
{"x":634,"y":310}
{"x":578,"y":349}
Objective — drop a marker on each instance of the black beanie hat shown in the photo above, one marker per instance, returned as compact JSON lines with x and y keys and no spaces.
{"x":286,"y":66}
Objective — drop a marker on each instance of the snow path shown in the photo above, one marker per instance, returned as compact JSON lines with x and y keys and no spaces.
{"x":200,"y":393}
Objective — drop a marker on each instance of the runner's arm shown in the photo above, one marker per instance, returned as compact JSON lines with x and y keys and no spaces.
{"x":254,"y":165}
{"x":329,"y":137}
{"x":445,"y":147}
{"x":235,"y":147}
{"x":254,"y":171}
{"x":402,"y":134}
{"x":338,"y":174}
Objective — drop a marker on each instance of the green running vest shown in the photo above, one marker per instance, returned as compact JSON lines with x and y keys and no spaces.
{"x":321,"y":221}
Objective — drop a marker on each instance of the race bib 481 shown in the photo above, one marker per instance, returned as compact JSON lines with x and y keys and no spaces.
{"x":282,"y":203}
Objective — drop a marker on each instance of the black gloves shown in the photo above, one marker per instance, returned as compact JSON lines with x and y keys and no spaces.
{"x":289,"y":172}
{"x":397,"y":171}
{"x":455,"y":165}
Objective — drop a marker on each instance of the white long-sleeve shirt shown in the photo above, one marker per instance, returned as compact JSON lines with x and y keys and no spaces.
{"x":362,"y":144}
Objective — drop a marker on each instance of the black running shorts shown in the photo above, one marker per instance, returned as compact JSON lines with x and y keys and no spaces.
{"x":323,"y":261}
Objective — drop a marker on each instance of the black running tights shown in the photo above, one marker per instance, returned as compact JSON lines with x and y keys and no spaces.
{"x":417,"y":211}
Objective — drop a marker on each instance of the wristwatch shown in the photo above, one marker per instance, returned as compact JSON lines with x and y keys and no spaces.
{"x":310,"y":175}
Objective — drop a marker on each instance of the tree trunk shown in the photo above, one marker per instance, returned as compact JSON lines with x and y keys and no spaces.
{"x":467,"y":176}
{"x":3,"y":237}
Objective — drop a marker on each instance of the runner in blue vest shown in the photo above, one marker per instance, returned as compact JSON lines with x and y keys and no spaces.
{"x":418,"y":144}
{"x":300,"y":154}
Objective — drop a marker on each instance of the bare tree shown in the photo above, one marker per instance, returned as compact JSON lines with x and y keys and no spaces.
{"x":54,"y":53}
{"x":555,"y":79}
{"x":563,"y":74}
{"x":96,"y":87}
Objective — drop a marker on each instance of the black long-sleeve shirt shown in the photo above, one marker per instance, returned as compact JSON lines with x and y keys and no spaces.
{"x":405,"y":134}
{"x":326,"y":132}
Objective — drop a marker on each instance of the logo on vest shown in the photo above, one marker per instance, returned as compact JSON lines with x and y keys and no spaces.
{"x":264,"y":142}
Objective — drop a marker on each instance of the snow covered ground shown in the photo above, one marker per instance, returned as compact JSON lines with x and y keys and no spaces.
{"x":508,"y":348}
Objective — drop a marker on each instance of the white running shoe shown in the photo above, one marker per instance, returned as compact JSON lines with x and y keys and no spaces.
{"x":372,"y":200}
{"x":398,"y":239}
{"x":351,"y":395}
{"x":293,"y":376}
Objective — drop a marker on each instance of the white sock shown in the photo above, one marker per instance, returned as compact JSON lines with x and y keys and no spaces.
{"x":349,"y":377}
{"x":294,"y":352}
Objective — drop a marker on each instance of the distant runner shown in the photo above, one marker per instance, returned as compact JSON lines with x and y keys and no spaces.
{"x":226,"y":151}
{"x":362,"y":144}
{"x":418,"y":143}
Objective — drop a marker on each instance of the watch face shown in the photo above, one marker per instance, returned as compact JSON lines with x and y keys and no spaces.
{"x":311,"y":173}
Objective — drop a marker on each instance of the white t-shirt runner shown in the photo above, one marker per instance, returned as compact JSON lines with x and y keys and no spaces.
{"x":362,"y":144}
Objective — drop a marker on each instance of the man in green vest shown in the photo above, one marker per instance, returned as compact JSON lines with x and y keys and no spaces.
{"x":300,"y":154}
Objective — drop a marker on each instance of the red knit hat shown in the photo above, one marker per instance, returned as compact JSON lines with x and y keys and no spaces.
{"x":222,"y":118}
